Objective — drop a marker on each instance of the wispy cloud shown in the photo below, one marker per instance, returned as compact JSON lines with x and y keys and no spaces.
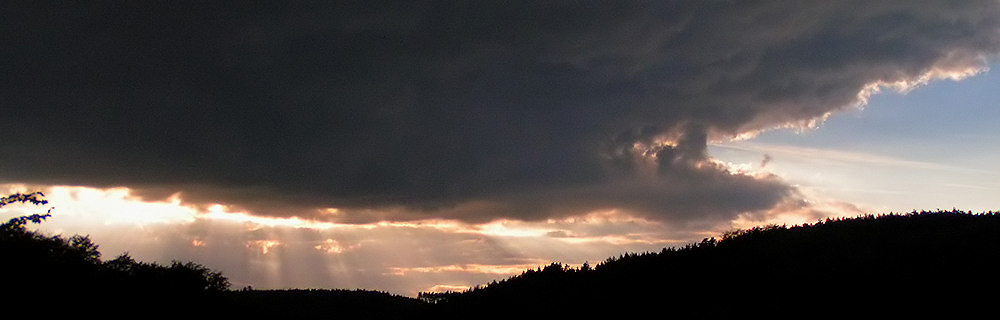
{"x":840,"y":157}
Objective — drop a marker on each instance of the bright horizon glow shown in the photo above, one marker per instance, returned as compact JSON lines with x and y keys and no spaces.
{"x":115,"y":219}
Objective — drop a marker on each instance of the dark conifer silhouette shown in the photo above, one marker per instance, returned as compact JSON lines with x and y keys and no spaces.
{"x":890,"y":265}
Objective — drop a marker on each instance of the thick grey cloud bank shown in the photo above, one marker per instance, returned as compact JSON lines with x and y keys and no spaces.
{"x":465,"y":110}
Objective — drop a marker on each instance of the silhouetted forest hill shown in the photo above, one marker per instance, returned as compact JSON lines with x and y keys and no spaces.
{"x":921,"y":263}
{"x":917,"y":264}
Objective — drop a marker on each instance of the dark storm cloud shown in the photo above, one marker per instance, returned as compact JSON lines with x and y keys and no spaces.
{"x":465,"y":110}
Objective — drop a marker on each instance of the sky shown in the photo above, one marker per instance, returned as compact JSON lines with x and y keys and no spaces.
{"x":429,"y":146}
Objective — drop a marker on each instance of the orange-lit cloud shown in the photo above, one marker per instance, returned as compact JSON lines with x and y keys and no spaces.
{"x":265,"y":246}
{"x":447,"y":288}
{"x":332,"y":246}
{"x":508,"y":269}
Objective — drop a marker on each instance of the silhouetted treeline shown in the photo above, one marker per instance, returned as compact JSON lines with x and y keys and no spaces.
{"x":41,"y":271}
{"x":916,"y":264}
{"x":323,"y":304}
{"x":920,"y":264}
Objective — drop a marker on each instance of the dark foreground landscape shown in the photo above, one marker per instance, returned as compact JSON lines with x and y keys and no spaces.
{"x":931,"y":263}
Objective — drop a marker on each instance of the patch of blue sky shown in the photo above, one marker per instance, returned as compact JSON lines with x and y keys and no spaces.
{"x":936,"y":146}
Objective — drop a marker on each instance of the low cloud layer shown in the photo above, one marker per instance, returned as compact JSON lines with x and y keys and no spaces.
{"x":469,"y":111}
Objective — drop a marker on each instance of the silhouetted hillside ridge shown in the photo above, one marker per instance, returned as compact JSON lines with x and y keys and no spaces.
{"x":892,"y":264}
